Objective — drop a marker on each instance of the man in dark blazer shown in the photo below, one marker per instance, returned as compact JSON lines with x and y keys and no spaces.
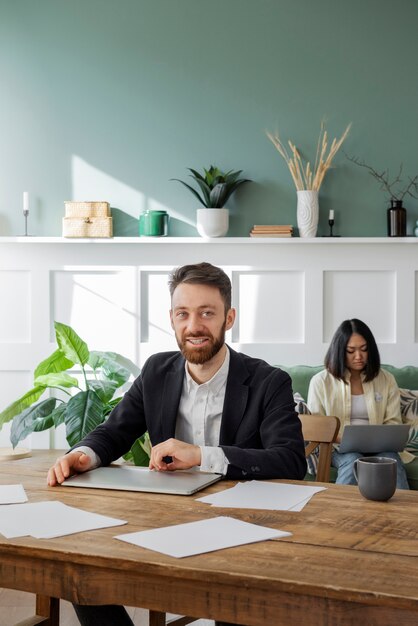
{"x":205,"y":406}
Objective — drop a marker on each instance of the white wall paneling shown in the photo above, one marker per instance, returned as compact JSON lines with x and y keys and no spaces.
{"x":271,"y":306}
{"x":15,"y":315}
{"x":290,"y":294}
{"x":361,"y":294}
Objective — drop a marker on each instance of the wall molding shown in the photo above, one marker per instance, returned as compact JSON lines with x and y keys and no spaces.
{"x":290,"y":295}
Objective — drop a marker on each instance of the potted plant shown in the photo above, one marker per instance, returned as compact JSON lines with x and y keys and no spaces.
{"x":215,"y":188}
{"x":308,"y":180}
{"x":102,"y":372}
{"x":396,"y":189}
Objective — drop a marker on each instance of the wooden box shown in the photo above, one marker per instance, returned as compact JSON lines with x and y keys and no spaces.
{"x":87,"y":219}
{"x":87,"y":227}
{"x":86,"y":209}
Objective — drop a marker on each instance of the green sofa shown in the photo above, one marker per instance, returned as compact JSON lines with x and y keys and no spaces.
{"x":407,"y":379}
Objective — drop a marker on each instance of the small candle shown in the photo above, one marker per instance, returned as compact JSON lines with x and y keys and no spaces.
{"x":26,"y":200}
{"x":331,"y":214}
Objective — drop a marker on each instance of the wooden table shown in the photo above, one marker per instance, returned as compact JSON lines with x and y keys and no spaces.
{"x":348,"y":562}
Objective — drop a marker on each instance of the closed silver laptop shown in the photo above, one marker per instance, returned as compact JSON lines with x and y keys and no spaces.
{"x":374,"y":438}
{"x":129,"y":478}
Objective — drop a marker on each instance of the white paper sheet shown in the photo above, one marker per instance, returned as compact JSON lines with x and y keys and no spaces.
{"x":12,"y":494}
{"x":203,"y":536}
{"x":44,"y":520}
{"x":257,"y":494}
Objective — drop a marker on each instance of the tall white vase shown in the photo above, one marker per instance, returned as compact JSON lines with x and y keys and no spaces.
{"x":212,"y":222}
{"x":307,"y":213}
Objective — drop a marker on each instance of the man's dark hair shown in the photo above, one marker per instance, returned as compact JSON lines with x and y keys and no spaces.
{"x":202,"y":274}
{"x":335,"y":358}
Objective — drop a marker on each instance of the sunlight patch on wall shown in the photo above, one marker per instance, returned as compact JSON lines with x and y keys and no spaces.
{"x":90,"y":183}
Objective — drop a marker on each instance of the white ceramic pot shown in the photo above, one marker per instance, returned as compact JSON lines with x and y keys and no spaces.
{"x":307,"y":213}
{"x":212,"y":222}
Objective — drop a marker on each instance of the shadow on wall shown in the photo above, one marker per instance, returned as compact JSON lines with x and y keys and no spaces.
{"x":124,"y":225}
{"x":126,"y":201}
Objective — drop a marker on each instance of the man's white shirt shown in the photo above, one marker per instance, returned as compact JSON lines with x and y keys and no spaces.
{"x":199,"y":417}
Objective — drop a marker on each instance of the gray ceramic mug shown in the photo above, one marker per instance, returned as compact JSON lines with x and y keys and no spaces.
{"x":376,"y":477}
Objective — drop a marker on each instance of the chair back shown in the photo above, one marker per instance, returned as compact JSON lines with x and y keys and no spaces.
{"x":320,"y":432}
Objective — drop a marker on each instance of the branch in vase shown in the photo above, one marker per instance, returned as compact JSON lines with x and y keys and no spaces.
{"x":384,"y":179}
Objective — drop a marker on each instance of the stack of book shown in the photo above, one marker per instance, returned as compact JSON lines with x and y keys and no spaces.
{"x":274,"y":230}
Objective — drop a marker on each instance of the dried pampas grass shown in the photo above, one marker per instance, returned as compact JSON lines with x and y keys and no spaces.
{"x":303,"y":176}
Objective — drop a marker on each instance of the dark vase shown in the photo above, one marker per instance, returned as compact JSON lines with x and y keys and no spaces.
{"x":396,"y":219}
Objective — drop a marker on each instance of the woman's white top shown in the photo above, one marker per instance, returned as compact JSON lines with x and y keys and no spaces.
{"x":359,"y":415}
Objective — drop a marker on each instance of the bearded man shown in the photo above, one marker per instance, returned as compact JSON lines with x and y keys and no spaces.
{"x":204,"y":406}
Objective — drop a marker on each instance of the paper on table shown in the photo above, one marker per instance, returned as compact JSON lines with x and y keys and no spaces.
{"x":16,"y":519}
{"x":75,"y":520}
{"x":203,"y":536}
{"x":300,"y":505}
{"x":262,"y":495}
{"x":11,"y":494}
{"x":44,"y":520}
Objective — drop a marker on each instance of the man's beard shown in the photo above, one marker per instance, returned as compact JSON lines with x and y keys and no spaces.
{"x":198,"y":356}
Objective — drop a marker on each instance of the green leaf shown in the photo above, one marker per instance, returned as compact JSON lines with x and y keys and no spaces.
{"x":116,"y":373}
{"x":20,"y":405}
{"x":140,"y":451}
{"x":196,"y":175}
{"x":215,"y":185}
{"x":61,"y":379}
{"x":84,"y":412}
{"x":145,"y":442}
{"x":98,"y":360}
{"x":74,"y":348}
{"x":194,"y":192}
{"x":218,"y":195}
{"x":57,"y":362}
{"x":108,"y":408}
{"x":104,"y":389}
{"x":58,"y":414}
{"x":36,"y":418}
{"x":205,"y":188}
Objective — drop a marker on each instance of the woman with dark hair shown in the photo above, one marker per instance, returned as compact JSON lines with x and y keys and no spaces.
{"x":357,"y":390}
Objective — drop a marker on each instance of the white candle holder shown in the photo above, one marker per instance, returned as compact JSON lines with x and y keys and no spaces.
{"x":26,"y":213}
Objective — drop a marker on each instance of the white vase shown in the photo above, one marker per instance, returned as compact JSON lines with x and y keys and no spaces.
{"x":212,"y":222}
{"x":307,"y":213}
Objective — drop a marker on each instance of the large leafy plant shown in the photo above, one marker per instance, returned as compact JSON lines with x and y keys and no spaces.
{"x":215,"y":186}
{"x":103,"y":373}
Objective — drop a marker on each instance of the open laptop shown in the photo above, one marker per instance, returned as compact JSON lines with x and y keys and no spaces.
{"x":372,"y":438}
{"x":129,"y":478}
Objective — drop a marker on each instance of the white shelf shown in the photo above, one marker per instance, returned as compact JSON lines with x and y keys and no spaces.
{"x":216,"y":241}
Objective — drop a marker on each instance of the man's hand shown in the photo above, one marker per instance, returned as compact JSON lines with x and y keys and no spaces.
{"x":184,"y":455}
{"x":74,"y":462}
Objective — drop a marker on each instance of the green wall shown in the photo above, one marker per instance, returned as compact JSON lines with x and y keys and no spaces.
{"x":110,"y":99}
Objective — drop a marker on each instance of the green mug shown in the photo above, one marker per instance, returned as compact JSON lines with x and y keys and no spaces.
{"x":153,"y":224}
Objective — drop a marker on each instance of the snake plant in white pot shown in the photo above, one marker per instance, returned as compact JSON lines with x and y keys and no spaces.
{"x":215,"y":187}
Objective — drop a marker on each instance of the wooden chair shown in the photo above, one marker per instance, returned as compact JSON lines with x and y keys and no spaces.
{"x":320,"y":431}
